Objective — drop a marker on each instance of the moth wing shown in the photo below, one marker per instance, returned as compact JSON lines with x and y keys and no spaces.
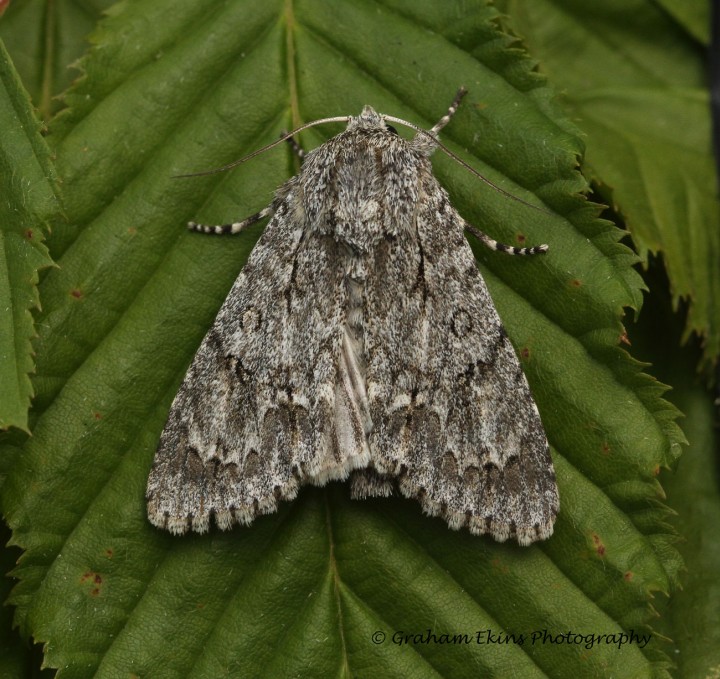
{"x":265,"y":405}
{"x":453,"y":418}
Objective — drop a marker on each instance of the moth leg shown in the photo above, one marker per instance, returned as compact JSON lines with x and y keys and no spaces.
{"x":235,"y":227}
{"x":451,"y":112}
{"x":509,"y":249}
{"x":298,"y":150}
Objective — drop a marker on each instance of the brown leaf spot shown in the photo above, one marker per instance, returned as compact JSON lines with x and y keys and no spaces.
{"x":95,"y":579}
{"x":576,"y":283}
{"x":29,"y":234}
{"x":521,"y":238}
{"x":629,"y":576}
{"x":605,"y":448}
{"x":599,"y":546}
{"x":500,"y":566}
{"x":76,"y":293}
{"x":525,"y":353}
{"x":109,"y":553}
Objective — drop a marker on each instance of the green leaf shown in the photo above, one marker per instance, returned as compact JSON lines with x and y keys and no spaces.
{"x":692,"y":15}
{"x":44,"y":37}
{"x":691,"y":618}
{"x":694,"y":615}
{"x":635,"y":83}
{"x":13,"y":654}
{"x":29,"y":201}
{"x":171,"y":88}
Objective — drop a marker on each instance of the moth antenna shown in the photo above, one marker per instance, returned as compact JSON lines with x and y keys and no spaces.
{"x":267,"y":147}
{"x":344,"y":119}
{"x":460,"y":161}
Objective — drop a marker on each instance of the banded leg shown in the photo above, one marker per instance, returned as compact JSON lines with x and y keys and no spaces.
{"x":298,"y":150}
{"x":235,"y":227}
{"x":509,"y":249}
{"x":451,"y":112}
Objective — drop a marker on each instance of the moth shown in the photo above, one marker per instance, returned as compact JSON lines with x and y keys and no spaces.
{"x":359,"y":340}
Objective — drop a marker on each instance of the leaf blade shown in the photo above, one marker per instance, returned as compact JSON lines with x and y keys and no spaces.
{"x":110,"y":360}
{"x":639,"y":93}
{"x":30,"y":202}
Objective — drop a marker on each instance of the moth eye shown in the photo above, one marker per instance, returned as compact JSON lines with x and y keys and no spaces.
{"x":390,"y":128}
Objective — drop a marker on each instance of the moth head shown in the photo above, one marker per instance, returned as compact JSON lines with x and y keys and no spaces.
{"x":424,"y":142}
{"x":369,"y":120}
